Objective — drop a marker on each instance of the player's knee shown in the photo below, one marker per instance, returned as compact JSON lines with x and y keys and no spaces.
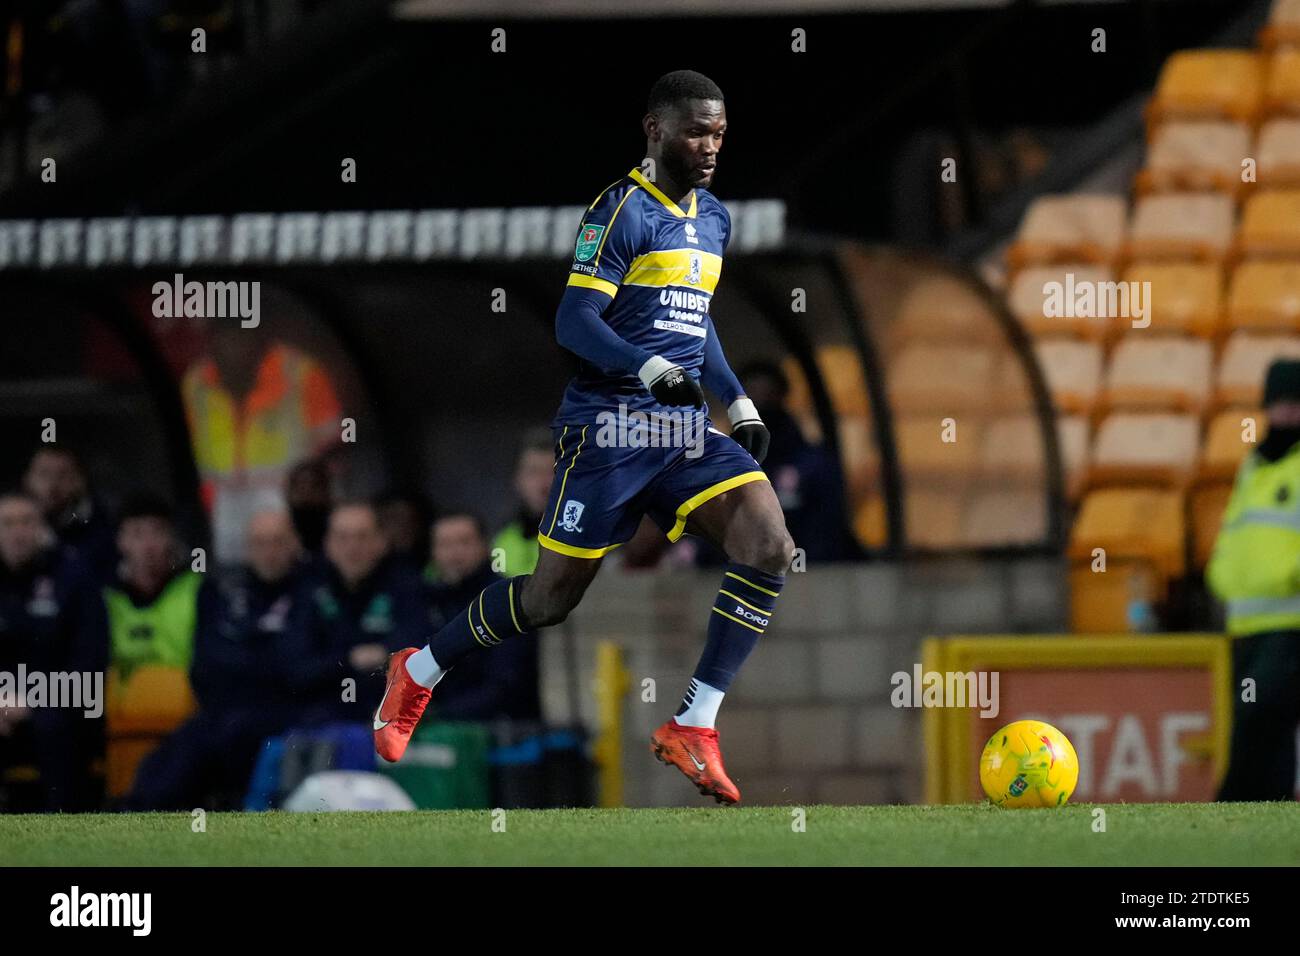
{"x":546,"y":607}
{"x":770,"y":549}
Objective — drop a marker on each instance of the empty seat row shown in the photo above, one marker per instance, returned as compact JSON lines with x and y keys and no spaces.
{"x":937,"y":518}
{"x":1160,"y":372}
{"x":1184,"y":226}
{"x":1240,"y":85}
{"x":1221,"y":156}
{"x":1182,"y":297}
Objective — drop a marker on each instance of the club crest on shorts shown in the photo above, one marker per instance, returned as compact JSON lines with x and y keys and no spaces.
{"x":572,"y":515}
{"x":588,"y":242}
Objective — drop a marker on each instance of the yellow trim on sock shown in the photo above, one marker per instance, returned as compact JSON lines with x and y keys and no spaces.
{"x":753,"y":607}
{"x":469,"y":621}
{"x":690,"y":504}
{"x":752,"y":584}
{"x":483,"y":617}
{"x":732,"y":617}
{"x":510,"y":596}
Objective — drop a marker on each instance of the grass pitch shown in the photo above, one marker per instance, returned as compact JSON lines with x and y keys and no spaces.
{"x":981,"y":835}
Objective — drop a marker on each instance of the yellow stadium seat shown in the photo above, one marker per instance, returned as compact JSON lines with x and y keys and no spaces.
{"x":1228,"y":439}
{"x":940,"y":308}
{"x":1283,"y":28}
{"x":1012,"y":449}
{"x":1195,"y":155}
{"x":155,"y":699}
{"x":1188,"y":226}
{"x":1185,"y":297}
{"x":1159,"y":372}
{"x":1265,"y":296}
{"x":799,"y":399}
{"x":1007,"y":516}
{"x":1073,"y":372}
{"x":1270,"y":224}
{"x":139,"y":713}
{"x":1208,"y":84}
{"x":858,"y":454}
{"x":923,"y":451}
{"x":870,"y":525}
{"x":1245,"y":361}
{"x":1070,"y":228}
{"x":1146,"y":448}
{"x":932,"y":518}
{"x":1282,"y":87}
{"x":940,"y":378}
{"x":1207,"y":505}
{"x":1101,"y":603}
{"x":841,"y":370}
{"x":1028,"y":299}
{"x":1278,"y":154}
{"x":1132,"y":524}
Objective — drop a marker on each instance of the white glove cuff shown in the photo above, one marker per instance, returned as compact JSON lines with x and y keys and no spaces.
{"x":742,"y":411}
{"x":653,"y":370}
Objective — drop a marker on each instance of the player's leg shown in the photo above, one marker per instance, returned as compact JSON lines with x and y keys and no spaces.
{"x":503,"y":610}
{"x":747,"y":524}
{"x":591,"y":510}
{"x":555,"y":587}
{"x":731,"y":502}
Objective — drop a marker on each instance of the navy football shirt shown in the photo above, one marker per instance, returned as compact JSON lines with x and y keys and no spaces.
{"x":659,"y":263}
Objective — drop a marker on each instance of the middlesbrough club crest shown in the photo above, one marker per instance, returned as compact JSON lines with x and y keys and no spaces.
{"x":572,"y":515}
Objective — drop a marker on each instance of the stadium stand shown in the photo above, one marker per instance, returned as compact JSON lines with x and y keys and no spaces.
{"x":1152,"y":416}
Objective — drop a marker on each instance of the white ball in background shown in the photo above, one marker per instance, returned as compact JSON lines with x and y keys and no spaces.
{"x":347,"y":790}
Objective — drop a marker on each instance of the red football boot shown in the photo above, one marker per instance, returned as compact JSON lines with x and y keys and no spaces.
{"x":694,"y":751}
{"x":399,"y":711}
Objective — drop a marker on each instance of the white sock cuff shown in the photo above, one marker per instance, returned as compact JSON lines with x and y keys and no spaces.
{"x":423,"y":669}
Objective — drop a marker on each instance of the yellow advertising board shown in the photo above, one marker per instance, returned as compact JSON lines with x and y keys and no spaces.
{"x":1149,"y":715}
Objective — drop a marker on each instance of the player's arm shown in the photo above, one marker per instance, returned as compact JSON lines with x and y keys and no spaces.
{"x":606,"y":245}
{"x":747,"y":427}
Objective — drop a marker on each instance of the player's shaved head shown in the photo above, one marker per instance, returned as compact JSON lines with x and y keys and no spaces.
{"x":673,"y":89}
{"x":684,"y":125}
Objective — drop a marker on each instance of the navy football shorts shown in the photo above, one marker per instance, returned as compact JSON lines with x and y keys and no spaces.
{"x":600,"y":494}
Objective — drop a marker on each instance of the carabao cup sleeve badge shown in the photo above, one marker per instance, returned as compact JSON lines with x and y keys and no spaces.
{"x":588,"y":242}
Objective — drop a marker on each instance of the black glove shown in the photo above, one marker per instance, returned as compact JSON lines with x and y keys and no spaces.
{"x":670,"y":384}
{"x":748,"y":430}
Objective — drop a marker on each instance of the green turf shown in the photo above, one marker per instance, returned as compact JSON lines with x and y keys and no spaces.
{"x":1137,"y":834}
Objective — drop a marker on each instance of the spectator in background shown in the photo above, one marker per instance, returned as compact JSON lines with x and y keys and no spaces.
{"x":56,"y":478}
{"x":51,"y":621}
{"x":311,"y":498}
{"x":482,"y":686}
{"x":1255,"y":570}
{"x":405,"y":517}
{"x":359,"y":607}
{"x":243,"y":620}
{"x":805,"y":477}
{"x":533,"y":473}
{"x":254,"y":408}
{"x":152,"y":601}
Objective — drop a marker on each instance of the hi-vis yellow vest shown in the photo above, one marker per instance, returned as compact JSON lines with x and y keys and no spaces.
{"x":288,"y":415}
{"x":1255,"y":567}
{"x":158,"y":633}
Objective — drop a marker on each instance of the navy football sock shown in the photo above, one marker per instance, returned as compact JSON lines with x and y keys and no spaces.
{"x":490,"y":618}
{"x":739,"y":617}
